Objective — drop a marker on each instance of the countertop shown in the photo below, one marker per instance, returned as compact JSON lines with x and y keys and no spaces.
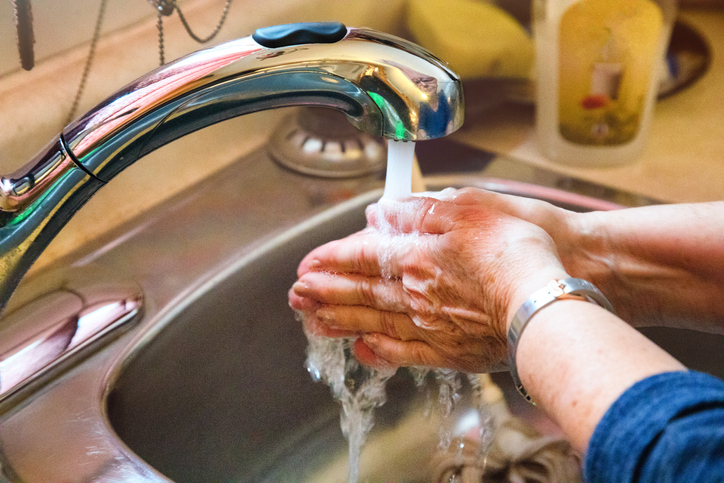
{"x":683,"y":160}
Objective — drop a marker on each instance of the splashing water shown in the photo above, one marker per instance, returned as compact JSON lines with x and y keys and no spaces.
{"x":450,"y":393}
{"x":360,"y":389}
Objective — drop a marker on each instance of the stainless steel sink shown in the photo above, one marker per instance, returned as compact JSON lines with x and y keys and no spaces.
{"x":210,"y":385}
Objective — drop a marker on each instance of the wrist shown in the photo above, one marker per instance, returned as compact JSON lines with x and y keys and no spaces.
{"x":555,"y":290}
{"x":585,"y":249}
{"x":527,"y":287}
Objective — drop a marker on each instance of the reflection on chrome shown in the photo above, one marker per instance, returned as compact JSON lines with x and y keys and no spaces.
{"x":58,"y":324}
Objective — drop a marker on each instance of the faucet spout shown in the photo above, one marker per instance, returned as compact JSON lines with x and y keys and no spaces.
{"x":385,"y":85}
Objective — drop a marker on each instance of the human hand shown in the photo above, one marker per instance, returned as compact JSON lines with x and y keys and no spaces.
{"x":562,"y":225}
{"x":581,"y":239}
{"x":431,"y":282}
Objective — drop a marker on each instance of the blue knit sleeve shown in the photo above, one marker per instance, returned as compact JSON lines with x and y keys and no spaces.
{"x":666,"y":428}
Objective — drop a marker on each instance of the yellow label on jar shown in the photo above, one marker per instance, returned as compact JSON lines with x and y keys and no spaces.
{"x":607,"y":52}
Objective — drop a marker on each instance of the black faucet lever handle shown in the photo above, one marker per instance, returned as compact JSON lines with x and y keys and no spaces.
{"x":300,"y":33}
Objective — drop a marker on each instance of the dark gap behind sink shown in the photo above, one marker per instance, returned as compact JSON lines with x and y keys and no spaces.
{"x":438,"y":156}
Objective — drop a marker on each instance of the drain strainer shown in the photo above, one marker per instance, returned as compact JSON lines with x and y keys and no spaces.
{"x":321,"y":142}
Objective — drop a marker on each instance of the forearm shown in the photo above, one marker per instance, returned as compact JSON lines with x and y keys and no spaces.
{"x":575,"y":359}
{"x":659,"y":265}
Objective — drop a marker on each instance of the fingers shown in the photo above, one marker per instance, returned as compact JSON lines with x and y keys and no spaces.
{"x":478,"y":196}
{"x":403,"y":353}
{"x":415,"y":215}
{"x":313,"y":325}
{"x":365,"y":320}
{"x":380,"y":251}
{"x":305,"y":309}
{"x":352,"y":289}
{"x":419,"y":353}
{"x":334,"y":249}
{"x":355,"y":254}
{"x":433,"y":216}
{"x":532,"y":210}
{"x":302,"y":304}
{"x":365,"y":355}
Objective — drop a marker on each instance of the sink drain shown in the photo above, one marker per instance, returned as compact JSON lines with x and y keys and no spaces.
{"x":321,"y":142}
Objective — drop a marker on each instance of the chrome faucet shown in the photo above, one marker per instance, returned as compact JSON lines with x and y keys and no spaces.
{"x":385,"y":85}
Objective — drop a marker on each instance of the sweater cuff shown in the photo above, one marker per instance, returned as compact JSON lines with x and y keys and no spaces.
{"x":623,"y":436}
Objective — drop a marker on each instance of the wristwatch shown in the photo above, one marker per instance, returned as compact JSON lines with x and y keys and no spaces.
{"x":563,"y":289}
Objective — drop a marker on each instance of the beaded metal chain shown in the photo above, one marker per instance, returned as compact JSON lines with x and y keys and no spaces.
{"x":88,"y":62}
{"x":165,"y":8}
{"x":24,"y":27}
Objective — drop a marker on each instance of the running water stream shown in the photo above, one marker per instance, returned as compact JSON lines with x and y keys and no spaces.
{"x":361,"y":389}
{"x":400,"y":158}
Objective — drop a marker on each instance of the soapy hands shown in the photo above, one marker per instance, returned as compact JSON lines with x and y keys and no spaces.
{"x":430,"y":281}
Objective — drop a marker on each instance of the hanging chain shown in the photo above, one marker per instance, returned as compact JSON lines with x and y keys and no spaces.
{"x":88,"y":62}
{"x":165,"y":8}
{"x":159,"y":26}
{"x":216,"y":29}
{"x":24,"y":27}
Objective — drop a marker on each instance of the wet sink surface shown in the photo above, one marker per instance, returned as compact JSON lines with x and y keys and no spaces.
{"x":209,"y":384}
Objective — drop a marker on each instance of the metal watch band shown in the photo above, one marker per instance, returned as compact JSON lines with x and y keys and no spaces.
{"x":563,"y":289}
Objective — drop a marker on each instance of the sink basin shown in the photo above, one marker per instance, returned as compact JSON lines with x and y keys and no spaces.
{"x":210,"y":385}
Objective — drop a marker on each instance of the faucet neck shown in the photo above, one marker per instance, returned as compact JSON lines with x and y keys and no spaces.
{"x":36,"y":203}
{"x":386,"y":86}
